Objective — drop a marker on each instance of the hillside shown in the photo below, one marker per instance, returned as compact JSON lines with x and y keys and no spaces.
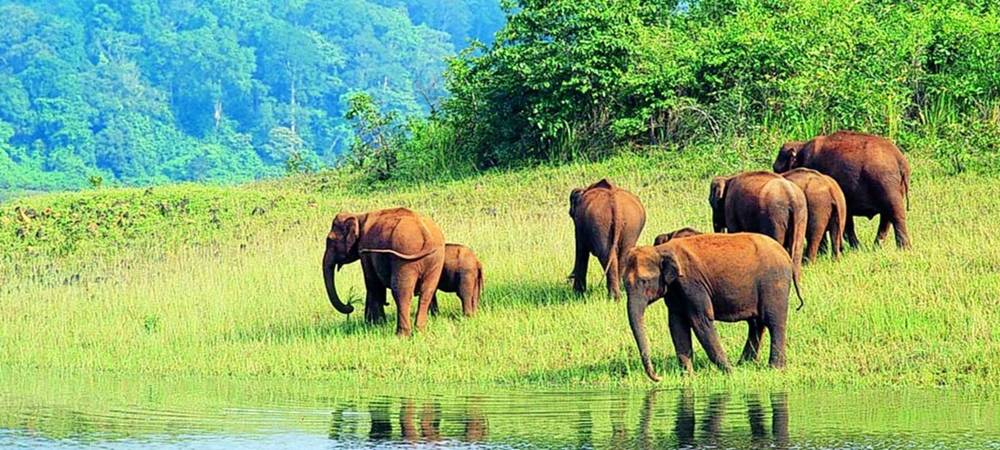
{"x":146,"y":92}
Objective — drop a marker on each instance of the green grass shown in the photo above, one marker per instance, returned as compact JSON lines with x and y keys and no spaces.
{"x":214,"y":288}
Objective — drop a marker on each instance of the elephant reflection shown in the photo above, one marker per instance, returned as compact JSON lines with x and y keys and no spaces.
{"x":711,"y":426}
{"x":416,"y":423}
{"x":687,"y":432}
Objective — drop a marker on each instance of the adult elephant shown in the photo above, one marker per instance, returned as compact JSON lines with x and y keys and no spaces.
{"x":872,"y":172}
{"x":708,"y":278}
{"x":608,"y":221}
{"x":399,"y":250}
{"x":765,"y":203}
{"x":827,"y":209}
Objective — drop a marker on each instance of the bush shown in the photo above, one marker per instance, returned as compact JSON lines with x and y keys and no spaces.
{"x":568,"y":80}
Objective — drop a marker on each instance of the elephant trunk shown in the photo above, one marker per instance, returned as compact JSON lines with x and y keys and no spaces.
{"x":331,"y":288}
{"x":637,"y":320}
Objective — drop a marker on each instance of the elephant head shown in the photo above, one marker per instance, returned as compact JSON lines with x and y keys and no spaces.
{"x":717,"y":199}
{"x":648,"y":273}
{"x":787,"y":157}
{"x":574,"y":200}
{"x":676,"y":234}
{"x":341,"y":248}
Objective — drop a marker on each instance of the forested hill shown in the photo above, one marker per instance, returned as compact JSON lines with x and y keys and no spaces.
{"x":150,"y":91}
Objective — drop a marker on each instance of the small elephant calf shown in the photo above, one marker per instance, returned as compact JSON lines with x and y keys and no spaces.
{"x":463,"y":275}
{"x":676,"y":234}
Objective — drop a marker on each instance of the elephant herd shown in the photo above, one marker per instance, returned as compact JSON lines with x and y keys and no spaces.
{"x":765,"y":224}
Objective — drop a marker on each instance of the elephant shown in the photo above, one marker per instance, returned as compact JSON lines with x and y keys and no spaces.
{"x":463,"y":275}
{"x":399,"y":250}
{"x":872,"y":172}
{"x":707,"y":278}
{"x":676,"y":234}
{"x":827,"y":209}
{"x":762,"y":202}
{"x":607,"y":222}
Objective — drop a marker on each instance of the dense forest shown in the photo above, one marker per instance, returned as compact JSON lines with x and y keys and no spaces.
{"x":151,"y":91}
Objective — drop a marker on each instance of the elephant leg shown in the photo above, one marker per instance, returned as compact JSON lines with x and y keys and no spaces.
{"x":375,"y":299}
{"x":613,"y":278}
{"x":680,"y":333}
{"x":752,"y":347}
{"x":428,"y":286}
{"x":815,"y":233}
{"x":467,"y":293}
{"x":850,"y":234}
{"x":402,"y":292}
{"x":777,"y":330}
{"x":836,"y":240}
{"x":433,"y":309}
{"x":824,"y":244}
{"x":580,"y":266}
{"x":899,"y":225}
{"x":883,"y":228}
{"x":704,"y":330}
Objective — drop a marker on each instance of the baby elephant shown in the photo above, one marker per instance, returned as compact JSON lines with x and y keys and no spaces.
{"x":708,"y":278}
{"x":676,"y":234}
{"x":463,"y":275}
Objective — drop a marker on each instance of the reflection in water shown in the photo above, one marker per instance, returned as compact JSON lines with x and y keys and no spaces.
{"x":416,"y":421}
{"x":712,"y":423}
{"x":498,"y":419}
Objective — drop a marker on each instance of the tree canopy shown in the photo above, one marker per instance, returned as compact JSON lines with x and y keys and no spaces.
{"x":150,"y":91}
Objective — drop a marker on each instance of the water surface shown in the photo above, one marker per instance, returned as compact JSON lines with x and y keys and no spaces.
{"x":64,"y":413}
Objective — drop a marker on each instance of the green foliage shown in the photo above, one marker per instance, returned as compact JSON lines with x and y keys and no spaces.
{"x":147,"y":92}
{"x":570,"y":80}
{"x":378,"y":137}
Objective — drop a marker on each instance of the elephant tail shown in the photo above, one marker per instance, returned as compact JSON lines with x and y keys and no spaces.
{"x":906,"y":185}
{"x":799,"y":218}
{"x":480,"y":282}
{"x":796,"y":279}
{"x":616,"y":236}
{"x":398,"y":254}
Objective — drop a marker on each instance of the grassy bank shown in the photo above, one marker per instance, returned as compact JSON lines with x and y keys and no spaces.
{"x":197,"y":281}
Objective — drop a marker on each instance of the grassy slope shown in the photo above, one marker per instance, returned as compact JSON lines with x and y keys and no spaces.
{"x":211,"y":288}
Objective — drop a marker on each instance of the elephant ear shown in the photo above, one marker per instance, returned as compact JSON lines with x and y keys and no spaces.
{"x":349,"y":228}
{"x":671,"y":267}
{"x":574,"y":200}
{"x":793,"y":153}
{"x":717,"y":192}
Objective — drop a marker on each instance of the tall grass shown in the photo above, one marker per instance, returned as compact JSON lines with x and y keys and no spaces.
{"x":243,"y":295}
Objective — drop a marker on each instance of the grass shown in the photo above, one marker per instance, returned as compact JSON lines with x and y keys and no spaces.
{"x":229,"y":284}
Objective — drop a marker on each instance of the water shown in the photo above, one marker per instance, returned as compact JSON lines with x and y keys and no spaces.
{"x":57,"y":413}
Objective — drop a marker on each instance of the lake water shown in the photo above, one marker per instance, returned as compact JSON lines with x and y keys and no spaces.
{"x":57,"y":413}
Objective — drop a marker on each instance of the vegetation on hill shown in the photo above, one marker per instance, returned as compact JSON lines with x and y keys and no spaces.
{"x":147,"y":92}
{"x":138,"y":93}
